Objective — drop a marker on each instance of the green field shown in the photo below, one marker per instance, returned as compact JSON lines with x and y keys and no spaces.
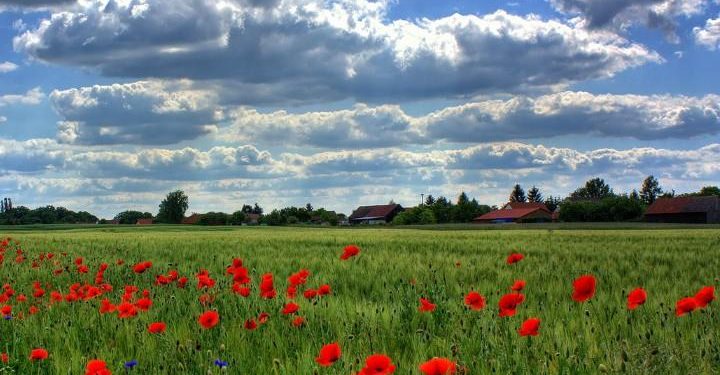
{"x":374,"y":303}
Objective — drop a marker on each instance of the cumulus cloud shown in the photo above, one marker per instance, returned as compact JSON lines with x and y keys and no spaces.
{"x":44,"y":171}
{"x":709,"y":35}
{"x":146,"y":112}
{"x":31,"y":97}
{"x":312,"y":50}
{"x":659,"y":14}
{"x":7,"y":67}
{"x":636,"y":116}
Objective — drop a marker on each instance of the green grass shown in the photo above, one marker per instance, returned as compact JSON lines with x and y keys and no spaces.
{"x":374,"y":304}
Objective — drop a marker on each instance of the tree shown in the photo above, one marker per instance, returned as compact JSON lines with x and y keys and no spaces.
{"x":552,"y":203}
{"x":534,"y":195}
{"x":518,"y":194}
{"x":634,"y":195}
{"x":430,"y":200}
{"x":309,"y":207}
{"x":710,"y":190}
{"x":131,"y":217}
{"x":237,"y":218}
{"x":594,"y":189}
{"x":173,"y":207}
{"x":650,"y":190}
{"x":257,"y":209}
{"x":247,"y":209}
{"x":462,"y":199}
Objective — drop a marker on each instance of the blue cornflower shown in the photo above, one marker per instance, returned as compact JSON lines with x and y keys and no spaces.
{"x":220,"y":363}
{"x":8,"y":317}
{"x":131,"y":364}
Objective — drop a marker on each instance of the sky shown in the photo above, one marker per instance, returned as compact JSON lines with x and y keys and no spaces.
{"x":107,"y":105}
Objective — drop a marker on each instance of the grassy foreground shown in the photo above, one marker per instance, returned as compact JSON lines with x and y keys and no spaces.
{"x":373,"y":307}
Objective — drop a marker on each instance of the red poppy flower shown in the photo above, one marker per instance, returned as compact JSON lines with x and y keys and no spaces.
{"x":126,"y":310}
{"x":704,"y":296}
{"x":97,"y":367}
{"x":518,"y":286}
{"x":636,"y":298}
{"x":508,"y":303}
{"x":329,"y":354}
{"x":426,"y":305}
{"x":324,"y":290}
{"x":583,"y":288}
{"x":377,"y":364}
{"x":299,"y":278}
{"x":4,"y":357}
{"x":157,"y":327}
{"x":349,"y":251}
{"x":33,"y":310}
{"x":144,"y":304}
{"x":514,"y":258}
{"x":250,"y":324}
{"x":263,"y":317}
{"x":267,"y":290}
{"x":6,"y":310}
{"x":438,"y":366}
{"x":142,"y":267}
{"x":291,"y":292}
{"x":241,"y":290}
{"x":685,"y":306}
{"x":475,"y":301}
{"x":106,"y":306}
{"x":310,"y":293}
{"x":299,"y":321}
{"x":38,"y":354}
{"x":530,"y":327}
{"x":209,"y":319}
{"x":182,"y":282}
{"x":290,"y":308}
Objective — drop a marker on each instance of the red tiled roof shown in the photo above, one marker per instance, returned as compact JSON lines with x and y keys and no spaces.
{"x":515,"y":213}
{"x":683,"y":205}
{"x":144,"y":221}
{"x":518,"y":205}
{"x":380,"y":211}
{"x":192,"y":219}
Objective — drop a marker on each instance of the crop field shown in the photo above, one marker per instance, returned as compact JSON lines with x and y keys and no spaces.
{"x":406,"y":295}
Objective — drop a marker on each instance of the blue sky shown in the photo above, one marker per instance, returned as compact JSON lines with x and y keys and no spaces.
{"x":106,"y":105}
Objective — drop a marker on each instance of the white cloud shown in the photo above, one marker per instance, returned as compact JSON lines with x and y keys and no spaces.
{"x":708,"y":36}
{"x":7,"y":66}
{"x":31,"y":97}
{"x":314,"y":51}
{"x":146,"y":112}
{"x":100,"y":179}
{"x":658,"y":14}
{"x":564,"y":113}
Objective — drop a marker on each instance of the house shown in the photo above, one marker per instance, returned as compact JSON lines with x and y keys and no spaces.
{"x":380,"y":214}
{"x":252,"y":219}
{"x":144,"y":221}
{"x":695,"y":210}
{"x":192,"y":219}
{"x":517,"y":212}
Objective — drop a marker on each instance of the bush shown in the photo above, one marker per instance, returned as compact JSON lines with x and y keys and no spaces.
{"x":614,"y":208}
{"x":214,"y":218}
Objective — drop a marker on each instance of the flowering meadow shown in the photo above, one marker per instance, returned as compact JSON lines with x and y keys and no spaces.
{"x":171,"y":300}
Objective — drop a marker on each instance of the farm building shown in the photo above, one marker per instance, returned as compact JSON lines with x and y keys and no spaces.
{"x":252,"y":219}
{"x":380,"y":214}
{"x":192,"y":219}
{"x":695,"y":210}
{"x":517,"y":212}
{"x":144,"y":222}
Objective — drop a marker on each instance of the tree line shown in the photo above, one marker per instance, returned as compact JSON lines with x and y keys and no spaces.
{"x":441,"y":210}
{"x":596,"y":201}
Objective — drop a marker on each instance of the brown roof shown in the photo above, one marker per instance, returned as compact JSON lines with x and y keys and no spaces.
{"x":374,"y":212}
{"x":192,"y":219}
{"x":523,"y":205}
{"x":683,"y":205}
{"x":144,"y":221}
{"x":514,"y":213}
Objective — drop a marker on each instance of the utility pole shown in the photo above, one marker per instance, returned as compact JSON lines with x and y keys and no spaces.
{"x":422,"y":199}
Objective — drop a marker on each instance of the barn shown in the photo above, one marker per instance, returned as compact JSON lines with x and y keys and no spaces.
{"x":692,"y":209}
{"x":144,"y":221}
{"x":517,"y":212}
{"x":380,"y":214}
